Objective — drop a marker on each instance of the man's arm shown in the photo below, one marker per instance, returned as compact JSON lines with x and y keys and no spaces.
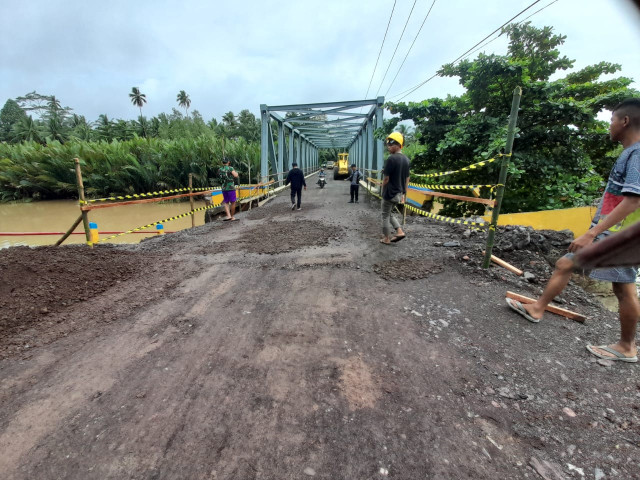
{"x":628,"y":205}
{"x":234,"y":173}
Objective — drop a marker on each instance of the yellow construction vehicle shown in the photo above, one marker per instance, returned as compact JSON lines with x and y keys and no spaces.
{"x":341,"y":167}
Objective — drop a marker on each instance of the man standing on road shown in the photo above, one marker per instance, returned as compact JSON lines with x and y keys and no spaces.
{"x":355,"y":178}
{"x":619,"y":208}
{"x":228,"y":176}
{"x":295,"y":177}
{"x":394,"y":187}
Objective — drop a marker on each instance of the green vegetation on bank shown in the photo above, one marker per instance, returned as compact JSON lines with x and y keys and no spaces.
{"x":33,"y":171}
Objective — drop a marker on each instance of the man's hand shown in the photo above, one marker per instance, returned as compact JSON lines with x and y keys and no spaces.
{"x":582,"y":241}
{"x":305,"y":187}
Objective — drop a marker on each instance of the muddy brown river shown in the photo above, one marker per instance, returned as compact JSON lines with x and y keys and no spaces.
{"x":56,"y":216}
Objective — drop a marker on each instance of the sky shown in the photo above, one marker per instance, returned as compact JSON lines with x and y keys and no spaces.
{"x":240,"y":54}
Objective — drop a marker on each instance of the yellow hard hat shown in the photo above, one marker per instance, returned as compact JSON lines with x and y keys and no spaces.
{"x":396,"y":137}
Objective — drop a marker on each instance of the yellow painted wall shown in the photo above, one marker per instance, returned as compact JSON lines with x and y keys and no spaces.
{"x":577,"y":219}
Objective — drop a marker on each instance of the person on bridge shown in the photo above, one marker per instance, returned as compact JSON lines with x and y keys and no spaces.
{"x":295,"y":177}
{"x":355,"y":178}
{"x":619,"y":208}
{"x":321,"y":175}
{"x":228,"y":176}
{"x":394,"y":187}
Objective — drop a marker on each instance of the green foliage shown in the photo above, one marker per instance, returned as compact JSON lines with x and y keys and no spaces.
{"x":10,"y":115}
{"x":30,"y":170}
{"x":561,"y":152}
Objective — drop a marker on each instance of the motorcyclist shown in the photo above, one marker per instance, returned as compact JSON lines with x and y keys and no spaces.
{"x":321,"y":176}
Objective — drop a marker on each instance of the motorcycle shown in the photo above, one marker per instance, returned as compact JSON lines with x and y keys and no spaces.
{"x":322,"y":182}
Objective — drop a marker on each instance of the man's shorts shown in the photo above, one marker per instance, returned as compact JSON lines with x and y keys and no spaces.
{"x":228,"y":196}
{"x":610,"y":274}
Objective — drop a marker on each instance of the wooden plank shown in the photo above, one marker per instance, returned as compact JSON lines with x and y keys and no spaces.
{"x":550,"y":308}
{"x":86,"y":208}
{"x":485,"y":201}
{"x":508,"y":266}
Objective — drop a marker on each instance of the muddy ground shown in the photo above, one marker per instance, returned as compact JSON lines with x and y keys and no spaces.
{"x":292,"y":344}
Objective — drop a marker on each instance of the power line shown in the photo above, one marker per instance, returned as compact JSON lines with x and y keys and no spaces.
{"x":383,"y":40}
{"x":414,"y":41}
{"x":397,"y":45}
{"x":413,"y":89}
{"x":518,"y":23}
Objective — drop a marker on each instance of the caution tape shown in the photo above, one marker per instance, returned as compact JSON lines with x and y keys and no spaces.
{"x":475,"y":225}
{"x":463,"y":169}
{"x":148,"y":194}
{"x":192,"y":212}
{"x":450,"y":187}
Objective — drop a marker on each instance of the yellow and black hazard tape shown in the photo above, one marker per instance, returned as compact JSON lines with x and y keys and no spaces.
{"x":463,"y":169}
{"x":147,"y":195}
{"x":450,"y":187}
{"x":192,"y":212}
{"x":474,"y":225}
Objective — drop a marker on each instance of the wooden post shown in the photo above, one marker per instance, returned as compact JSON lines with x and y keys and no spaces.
{"x":513,"y":118}
{"x":250,"y":189}
{"x":66,"y":235}
{"x":191,"y":201}
{"x":85,"y":214}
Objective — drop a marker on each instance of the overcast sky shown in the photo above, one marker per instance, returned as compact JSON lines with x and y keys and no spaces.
{"x":242,"y":53}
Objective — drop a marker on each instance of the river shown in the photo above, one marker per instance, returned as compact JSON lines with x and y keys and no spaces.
{"x":58,"y":215}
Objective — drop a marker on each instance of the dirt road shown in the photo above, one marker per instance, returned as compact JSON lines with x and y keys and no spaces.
{"x":291,"y":345}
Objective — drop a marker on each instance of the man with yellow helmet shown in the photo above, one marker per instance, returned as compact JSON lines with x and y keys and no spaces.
{"x":394,"y":187}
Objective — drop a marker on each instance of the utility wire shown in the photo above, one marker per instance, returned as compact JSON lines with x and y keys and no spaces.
{"x":414,"y":41}
{"x":397,"y":45}
{"x":518,"y":23}
{"x":413,"y":89}
{"x":383,"y":40}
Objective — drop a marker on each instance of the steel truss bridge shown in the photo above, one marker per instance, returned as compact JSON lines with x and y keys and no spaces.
{"x":302,"y":130}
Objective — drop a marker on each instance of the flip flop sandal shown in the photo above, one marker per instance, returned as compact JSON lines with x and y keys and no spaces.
{"x":617,"y":356}
{"x":517,"y":307}
{"x":226,"y":219}
{"x":385,"y":243}
{"x":397,"y":238}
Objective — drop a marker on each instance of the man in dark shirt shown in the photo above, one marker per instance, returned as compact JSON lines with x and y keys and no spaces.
{"x":394,"y":187}
{"x":354,"y":178}
{"x":295,"y":177}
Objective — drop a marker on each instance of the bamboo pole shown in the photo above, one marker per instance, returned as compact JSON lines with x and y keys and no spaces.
{"x":70,"y":231}
{"x":191,"y":202}
{"x":513,"y":118}
{"x":84,"y":213}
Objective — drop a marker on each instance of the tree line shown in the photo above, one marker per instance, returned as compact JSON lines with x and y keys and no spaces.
{"x":41,"y":118}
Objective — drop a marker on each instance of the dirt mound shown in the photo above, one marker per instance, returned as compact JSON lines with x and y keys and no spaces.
{"x":407,"y":269}
{"x":283,"y":236}
{"x":38,"y":283}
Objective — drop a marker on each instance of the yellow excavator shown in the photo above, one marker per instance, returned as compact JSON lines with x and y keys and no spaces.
{"x":341,"y":167}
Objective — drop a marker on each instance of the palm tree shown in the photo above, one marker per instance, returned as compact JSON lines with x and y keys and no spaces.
{"x":184,"y":101}
{"x":27,"y":130}
{"x":138,"y":99}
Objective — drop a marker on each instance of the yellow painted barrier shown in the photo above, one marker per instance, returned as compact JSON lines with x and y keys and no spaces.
{"x":576,"y":219}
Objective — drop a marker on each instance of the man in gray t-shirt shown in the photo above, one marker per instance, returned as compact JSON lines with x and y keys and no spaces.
{"x":394,"y":187}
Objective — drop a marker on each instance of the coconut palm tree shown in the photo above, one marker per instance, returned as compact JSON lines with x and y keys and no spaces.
{"x":184,"y":101}
{"x":138,"y":99}
{"x":27,"y":129}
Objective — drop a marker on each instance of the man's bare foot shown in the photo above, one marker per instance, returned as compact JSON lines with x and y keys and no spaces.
{"x":385,"y":240}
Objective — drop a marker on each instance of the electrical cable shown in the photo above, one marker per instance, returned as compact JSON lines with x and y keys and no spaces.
{"x":409,"y":51}
{"x":397,"y":45}
{"x":383,"y":40}
{"x":416,"y":87}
